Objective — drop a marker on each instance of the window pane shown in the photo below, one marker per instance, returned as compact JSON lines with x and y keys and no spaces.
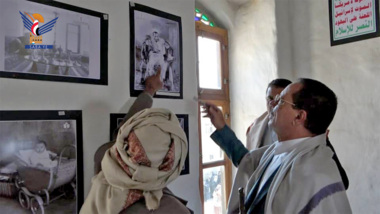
{"x":210,"y":150}
{"x":209,"y":63}
{"x":214,"y":190}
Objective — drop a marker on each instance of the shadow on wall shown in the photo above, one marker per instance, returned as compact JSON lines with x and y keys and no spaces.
{"x":293,"y":38}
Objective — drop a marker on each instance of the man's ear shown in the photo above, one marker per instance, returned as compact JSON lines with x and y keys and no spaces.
{"x":301,"y":117}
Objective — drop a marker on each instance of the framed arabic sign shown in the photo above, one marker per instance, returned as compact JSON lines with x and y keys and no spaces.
{"x":53,"y":41}
{"x":353,"y":20}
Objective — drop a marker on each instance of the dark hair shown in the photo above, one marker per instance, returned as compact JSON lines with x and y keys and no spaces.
{"x":279,"y":83}
{"x":41,"y":141}
{"x":319,"y":102}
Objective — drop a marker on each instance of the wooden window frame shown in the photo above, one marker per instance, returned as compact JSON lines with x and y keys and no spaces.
{"x":219,"y":97}
{"x":222,"y":36}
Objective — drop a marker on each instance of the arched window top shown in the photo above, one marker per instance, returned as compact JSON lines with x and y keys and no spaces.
{"x":201,"y":17}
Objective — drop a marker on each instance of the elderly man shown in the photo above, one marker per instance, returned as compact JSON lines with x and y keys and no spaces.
{"x":296,"y":174}
{"x":142,"y":173}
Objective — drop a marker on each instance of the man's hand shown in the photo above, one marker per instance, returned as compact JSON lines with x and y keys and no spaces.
{"x":215,"y":115}
{"x":153,"y":83}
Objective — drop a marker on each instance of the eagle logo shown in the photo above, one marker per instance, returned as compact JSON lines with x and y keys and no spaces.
{"x":33,"y":27}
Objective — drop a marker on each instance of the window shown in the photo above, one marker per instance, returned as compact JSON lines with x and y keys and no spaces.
{"x":215,"y":167}
{"x":199,"y":16}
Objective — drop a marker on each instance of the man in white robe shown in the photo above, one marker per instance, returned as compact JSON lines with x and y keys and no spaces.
{"x":296,"y":174}
{"x":260,"y":134}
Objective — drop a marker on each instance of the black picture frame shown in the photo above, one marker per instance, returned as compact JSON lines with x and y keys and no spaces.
{"x":155,"y":41}
{"x":28,"y":179}
{"x":74,"y":48}
{"x":117,"y":118}
{"x":352,"y":21}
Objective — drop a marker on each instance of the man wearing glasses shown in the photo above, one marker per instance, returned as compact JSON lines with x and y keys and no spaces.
{"x":297,"y":173}
{"x":260,"y":134}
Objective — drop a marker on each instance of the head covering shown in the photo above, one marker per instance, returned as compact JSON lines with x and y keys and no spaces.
{"x":149,"y":153}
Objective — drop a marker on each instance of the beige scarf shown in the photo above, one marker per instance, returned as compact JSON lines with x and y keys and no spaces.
{"x":256,"y":131}
{"x":149,"y":153}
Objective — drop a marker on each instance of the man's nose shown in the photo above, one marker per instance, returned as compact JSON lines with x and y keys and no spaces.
{"x":272,"y":103}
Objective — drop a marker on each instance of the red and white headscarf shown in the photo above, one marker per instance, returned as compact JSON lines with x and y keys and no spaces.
{"x":149,"y":153}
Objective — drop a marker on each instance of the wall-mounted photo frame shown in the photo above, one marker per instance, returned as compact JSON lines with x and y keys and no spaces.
{"x":53,"y":41}
{"x":41,"y":161}
{"x":155,"y":42}
{"x":117,"y":118}
{"x":353,"y":20}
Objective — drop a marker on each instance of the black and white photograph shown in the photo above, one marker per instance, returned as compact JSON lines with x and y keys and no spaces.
{"x":184,"y":122}
{"x":49,"y":40}
{"x":41,"y":166}
{"x":117,"y":118}
{"x":156,"y":43}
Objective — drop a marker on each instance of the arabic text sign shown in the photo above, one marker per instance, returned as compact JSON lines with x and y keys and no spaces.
{"x":353,"y":18}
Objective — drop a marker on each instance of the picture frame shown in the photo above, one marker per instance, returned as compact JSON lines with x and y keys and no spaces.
{"x":68,"y":44}
{"x":155,"y":42}
{"x":41,"y":161}
{"x":353,"y":20}
{"x":117,"y":118}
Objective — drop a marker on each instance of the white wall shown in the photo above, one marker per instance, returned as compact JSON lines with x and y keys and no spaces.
{"x":351,"y":71}
{"x":97,"y":102}
{"x":253,"y":62}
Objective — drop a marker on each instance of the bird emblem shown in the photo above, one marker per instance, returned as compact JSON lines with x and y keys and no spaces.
{"x":32,"y":25}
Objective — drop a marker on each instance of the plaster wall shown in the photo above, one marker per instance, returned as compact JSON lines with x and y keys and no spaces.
{"x":351,"y":71}
{"x":253,"y":62}
{"x":97,"y":102}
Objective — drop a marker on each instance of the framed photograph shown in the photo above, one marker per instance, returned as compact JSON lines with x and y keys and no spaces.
{"x":53,"y":41}
{"x":156,"y":42}
{"x":184,"y":121}
{"x":117,"y":118}
{"x":41,"y":161}
{"x":353,"y":20}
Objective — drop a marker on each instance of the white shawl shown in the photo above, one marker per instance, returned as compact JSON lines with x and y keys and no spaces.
{"x":308,"y":180}
{"x":256,"y":132}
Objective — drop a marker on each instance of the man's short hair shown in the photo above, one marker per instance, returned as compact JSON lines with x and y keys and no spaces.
{"x":320,"y":103}
{"x":279,"y":83}
{"x":41,"y":142}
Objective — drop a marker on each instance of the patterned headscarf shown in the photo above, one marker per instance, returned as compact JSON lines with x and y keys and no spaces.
{"x":149,"y":153}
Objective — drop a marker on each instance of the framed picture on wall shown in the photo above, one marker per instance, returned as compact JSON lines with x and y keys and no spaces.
{"x":184,"y":122}
{"x":156,"y":42}
{"x":53,"y":41}
{"x":353,"y":20}
{"x":117,"y":118}
{"x":41,"y":161}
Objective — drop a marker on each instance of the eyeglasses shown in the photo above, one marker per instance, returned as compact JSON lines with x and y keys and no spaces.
{"x":281,"y":101}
